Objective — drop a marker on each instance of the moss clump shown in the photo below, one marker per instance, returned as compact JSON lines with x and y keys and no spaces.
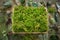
{"x":29,"y":19}
{"x":51,"y":9}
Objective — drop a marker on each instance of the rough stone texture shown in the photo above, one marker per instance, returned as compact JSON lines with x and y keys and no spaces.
{"x":2,"y":1}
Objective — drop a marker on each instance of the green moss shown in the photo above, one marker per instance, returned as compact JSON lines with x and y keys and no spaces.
{"x":29,"y":19}
{"x":51,"y":10}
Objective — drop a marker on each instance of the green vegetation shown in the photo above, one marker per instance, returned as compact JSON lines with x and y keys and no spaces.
{"x":51,"y":10}
{"x":54,"y":37}
{"x":29,"y":19}
{"x":3,"y":29}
